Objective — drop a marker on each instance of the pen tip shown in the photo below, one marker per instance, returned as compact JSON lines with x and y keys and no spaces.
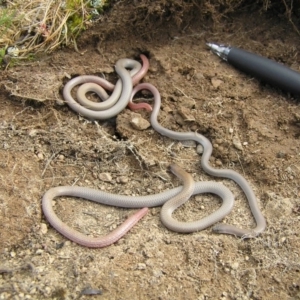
{"x":210,"y":45}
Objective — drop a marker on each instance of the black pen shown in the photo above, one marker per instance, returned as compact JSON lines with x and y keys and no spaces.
{"x":260,"y":67}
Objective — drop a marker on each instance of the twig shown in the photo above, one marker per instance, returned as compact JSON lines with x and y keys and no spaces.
{"x":48,"y":162}
{"x":240,"y":163}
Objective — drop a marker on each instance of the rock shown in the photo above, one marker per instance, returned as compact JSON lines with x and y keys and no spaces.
{"x":186,"y":114}
{"x":122,"y":179}
{"x":235,"y":265}
{"x":43,"y":229}
{"x":40,"y":156}
{"x":199,"y":76}
{"x":237,"y":143}
{"x":141,"y":266}
{"x":105,"y":177}
{"x":216,"y":82}
{"x":139,"y":123}
{"x":199,"y":149}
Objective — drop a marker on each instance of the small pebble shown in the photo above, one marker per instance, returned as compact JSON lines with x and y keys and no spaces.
{"x":235,"y":265}
{"x":224,"y":294}
{"x":122,"y":179}
{"x":218,"y":162}
{"x":105,"y":177}
{"x":40,"y":156}
{"x":199,"y":149}
{"x":237,"y":143}
{"x":43,"y":228}
{"x":90,"y":291}
{"x":199,"y":76}
{"x":186,"y":114}
{"x":216,"y":82}
{"x":139,"y":123}
{"x":141,"y":266}
{"x":39,"y":251}
{"x":32,"y":133}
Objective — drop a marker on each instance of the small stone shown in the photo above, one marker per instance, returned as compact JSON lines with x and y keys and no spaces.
{"x":199,"y":76}
{"x":218,"y":162}
{"x":47,"y":290}
{"x":235,"y":265}
{"x":40,"y":156}
{"x":141,"y":266}
{"x":139,"y":123}
{"x":283,"y":239}
{"x":230,"y":130}
{"x":106,"y":177}
{"x":237,"y":143}
{"x":61,"y":157}
{"x":216,"y":82}
{"x":185,"y":113}
{"x":289,"y":170}
{"x":167,"y":109}
{"x":199,"y":149}
{"x":13,"y":254}
{"x":44,"y":228}
{"x":122,"y":179}
{"x":39,"y":251}
{"x":32,"y":133}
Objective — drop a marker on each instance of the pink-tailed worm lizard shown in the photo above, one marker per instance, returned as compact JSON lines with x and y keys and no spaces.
{"x":117,"y":101}
{"x":177,"y":195}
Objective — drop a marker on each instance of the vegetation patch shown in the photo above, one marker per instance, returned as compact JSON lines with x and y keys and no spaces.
{"x":33,"y":26}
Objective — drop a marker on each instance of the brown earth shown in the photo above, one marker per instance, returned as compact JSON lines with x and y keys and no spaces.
{"x":254,"y":128}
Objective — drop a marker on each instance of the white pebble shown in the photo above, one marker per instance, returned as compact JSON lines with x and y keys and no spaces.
{"x":141,"y":266}
{"x":43,"y":228}
{"x":199,"y":149}
{"x":105,"y":177}
{"x":139,"y":123}
{"x":235,"y":265}
{"x":40,"y":156}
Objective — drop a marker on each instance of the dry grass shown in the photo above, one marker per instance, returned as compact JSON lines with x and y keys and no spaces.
{"x":32,"y":25}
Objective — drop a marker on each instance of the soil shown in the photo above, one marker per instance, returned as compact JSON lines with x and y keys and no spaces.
{"x":254,"y":129}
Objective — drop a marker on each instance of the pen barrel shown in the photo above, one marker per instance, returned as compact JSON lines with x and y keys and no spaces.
{"x":265,"y":69}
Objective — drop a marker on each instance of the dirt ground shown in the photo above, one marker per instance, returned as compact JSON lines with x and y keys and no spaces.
{"x":254,"y":128}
